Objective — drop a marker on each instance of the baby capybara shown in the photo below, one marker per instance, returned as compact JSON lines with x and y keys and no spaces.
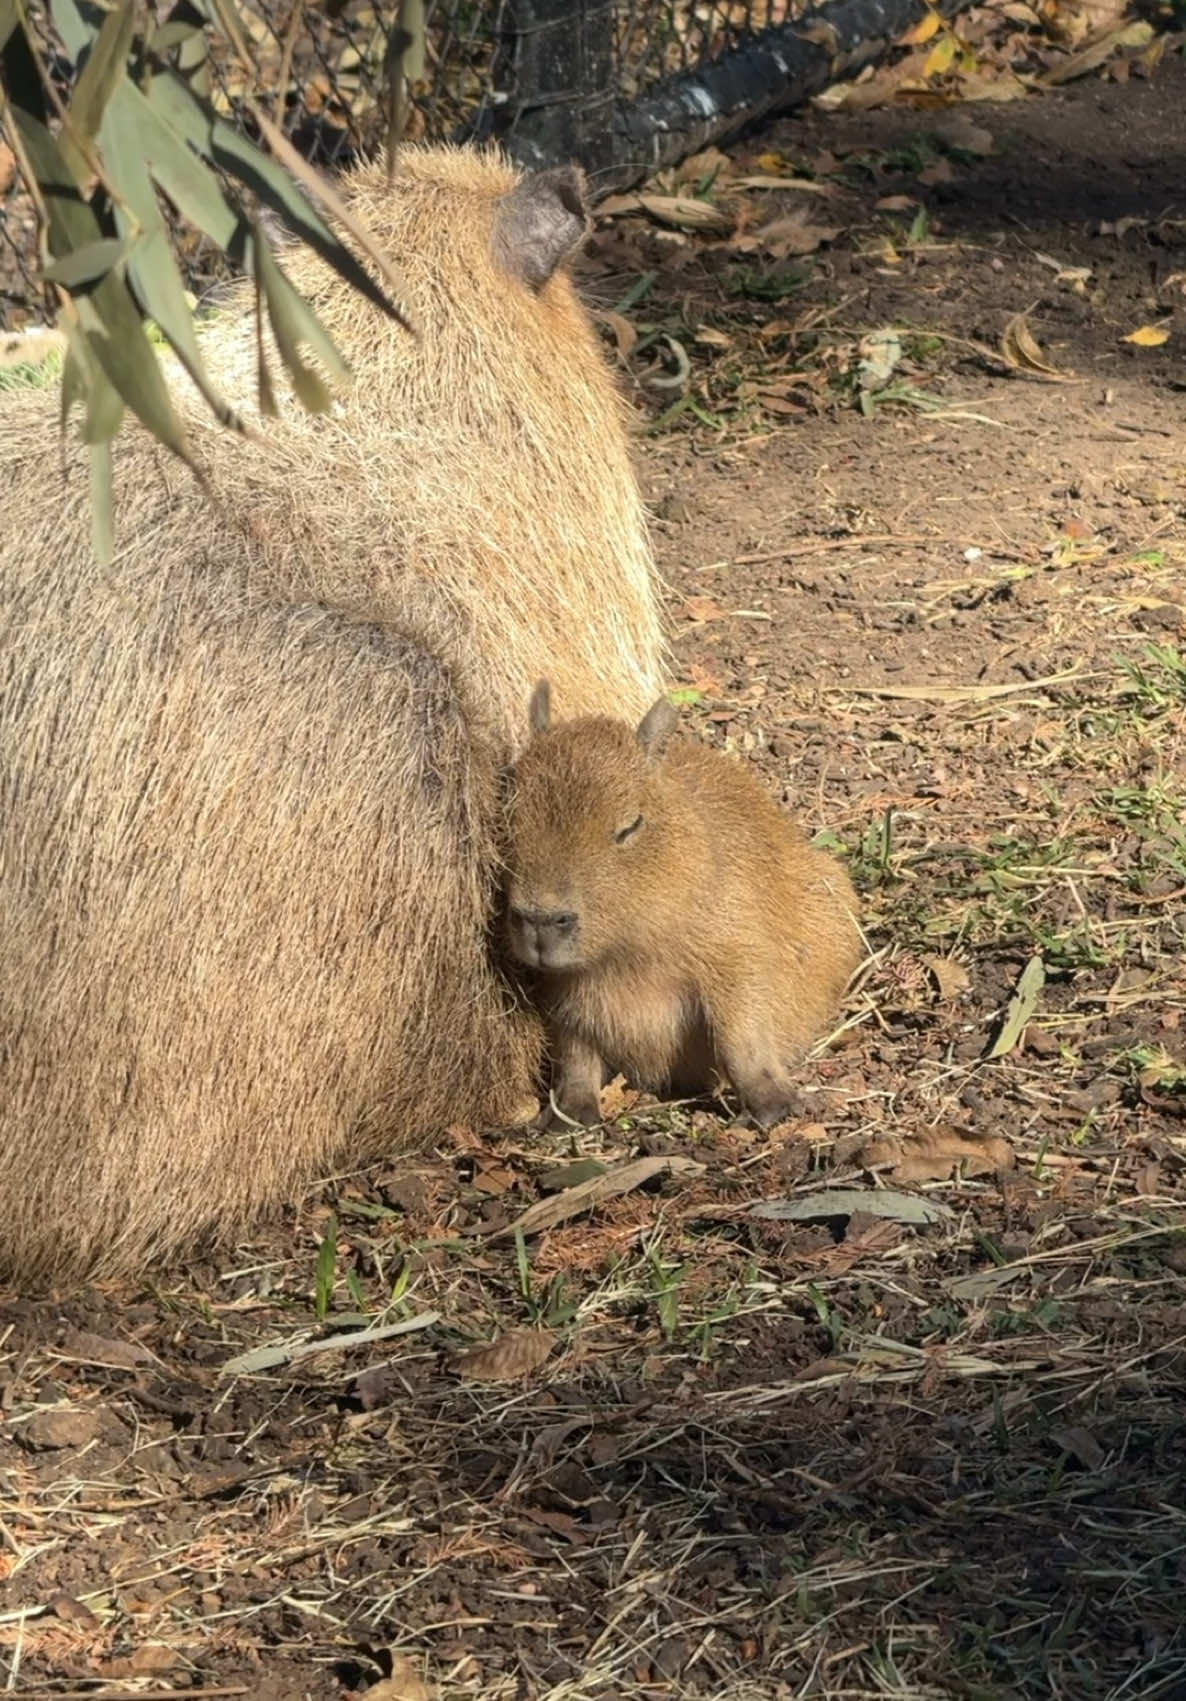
{"x":675,"y":923}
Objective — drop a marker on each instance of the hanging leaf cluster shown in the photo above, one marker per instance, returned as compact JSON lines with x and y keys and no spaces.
{"x":138,"y":123}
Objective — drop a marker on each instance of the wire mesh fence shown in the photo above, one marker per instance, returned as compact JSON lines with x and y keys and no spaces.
{"x":553,"y":75}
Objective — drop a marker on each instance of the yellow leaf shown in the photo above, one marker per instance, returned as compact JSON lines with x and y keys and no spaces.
{"x":941,"y":57}
{"x":922,"y":31}
{"x":1149,"y":336}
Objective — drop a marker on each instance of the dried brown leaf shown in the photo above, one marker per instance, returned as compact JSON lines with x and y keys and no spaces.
{"x":72,"y":1611}
{"x":404,"y":1684}
{"x":936,"y":1153}
{"x":703,"y":608}
{"x":1148,"y":336}
{"x":1097,"y":51}
{"x":783,"y":238}
{"x":957,"y":693}
{"x":547,"y":1213}
{"x":1020,"y":352}
{"x":624,"y":333}
{"x":99,"y":1349}
{"x":507,"y":1359}
{"x":809,"y":185}
{"x":684,"y":212}
{"x":951,"y":978}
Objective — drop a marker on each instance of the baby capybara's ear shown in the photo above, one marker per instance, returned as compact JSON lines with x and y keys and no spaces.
{"x":657,"y":726}
{"x":539,"y":224}
{"x":539,"y":714}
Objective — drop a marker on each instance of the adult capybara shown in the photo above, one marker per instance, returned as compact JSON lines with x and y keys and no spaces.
{"x":676,"y":924}
{"x":249,"y":774}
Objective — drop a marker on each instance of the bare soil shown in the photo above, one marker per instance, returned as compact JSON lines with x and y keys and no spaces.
{"x":851,"y":1456}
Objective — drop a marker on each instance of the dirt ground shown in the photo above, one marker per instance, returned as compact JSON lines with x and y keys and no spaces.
{"x":833,"y":1454}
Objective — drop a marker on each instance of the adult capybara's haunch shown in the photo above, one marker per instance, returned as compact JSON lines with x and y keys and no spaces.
{"x":676,"y":924}
{"x":249,"y":775}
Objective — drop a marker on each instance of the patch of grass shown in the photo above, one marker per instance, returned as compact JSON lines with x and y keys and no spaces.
{"x":32,"y":375}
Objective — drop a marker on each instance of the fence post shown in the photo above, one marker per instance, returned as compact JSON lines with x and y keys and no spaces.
{"x":560,"y":58}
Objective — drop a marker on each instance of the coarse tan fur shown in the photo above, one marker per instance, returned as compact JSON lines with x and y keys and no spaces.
{"x":249,"y":774}
{"x":675,"y":924}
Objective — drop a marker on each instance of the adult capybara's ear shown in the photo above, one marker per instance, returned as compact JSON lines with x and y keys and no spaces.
{"x":657,"y":726}
{"x":540,"y":223}
{"x":539,"y":714}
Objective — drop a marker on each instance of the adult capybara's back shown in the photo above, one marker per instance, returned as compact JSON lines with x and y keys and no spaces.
{"x":248,"y":774}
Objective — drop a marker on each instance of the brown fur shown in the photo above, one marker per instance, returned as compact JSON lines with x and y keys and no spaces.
{"x":248,"y":775}
{"x":676,"y":923}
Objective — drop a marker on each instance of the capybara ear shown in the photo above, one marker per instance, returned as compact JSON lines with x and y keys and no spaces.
{"x":657,"y":726}
{"x":539,"y":223}
{"x":540,"y":713}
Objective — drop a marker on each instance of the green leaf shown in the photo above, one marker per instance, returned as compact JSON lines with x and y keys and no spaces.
{"x":74,"y":386}
{"x":108,"y":316}
{"x":102,"y":502}
{"x":120,"y":344}
{"x":293,"y":323}
{"x":93,"y":260}
{"x":327,"y":1261}
{"x":76,"y":33}
{"x":190,"y":185}
{"x":1021,"y":1007}
{"x":151,"y":263}
{"x":9,"y":19}
{"x":267,"y":396}
{"x":105,"y":68}
{"x":173,"y":34}
{"x":220,"y":143}
{"x":84,"y":379}
{"x":411,"y":24}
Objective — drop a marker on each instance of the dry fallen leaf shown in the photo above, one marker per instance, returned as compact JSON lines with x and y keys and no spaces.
{"x":617,"y":1098}
{"x":808,"y":184}
{"x":941,"y":57}
{"x":785,"y":238}
{"x":149,"y":1657}
{"x":848,"y":1201}
{"x":954,"y":693}
{"x":1082,"y":1444}
{"x":951,"y":978}
{"x":1021,"y":1007}
{"x":404,"y":1684}
{"x":880,"y":353}
{"x":990,"y":86}
{"x":507,"y":1359}
{"x":936,"y":1153}
{"x":703,"y":608}
{"x":1149,"y":336}
{"x":712,"y":163}
{"x":683,"y":212}
{"x":1096,"y":52}
{"x":624,"y":333}
{"x":546,"y":1213}
{"x":1021,"y":353}
{"x":927,"y":26}
{"x":72,"y":1611}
